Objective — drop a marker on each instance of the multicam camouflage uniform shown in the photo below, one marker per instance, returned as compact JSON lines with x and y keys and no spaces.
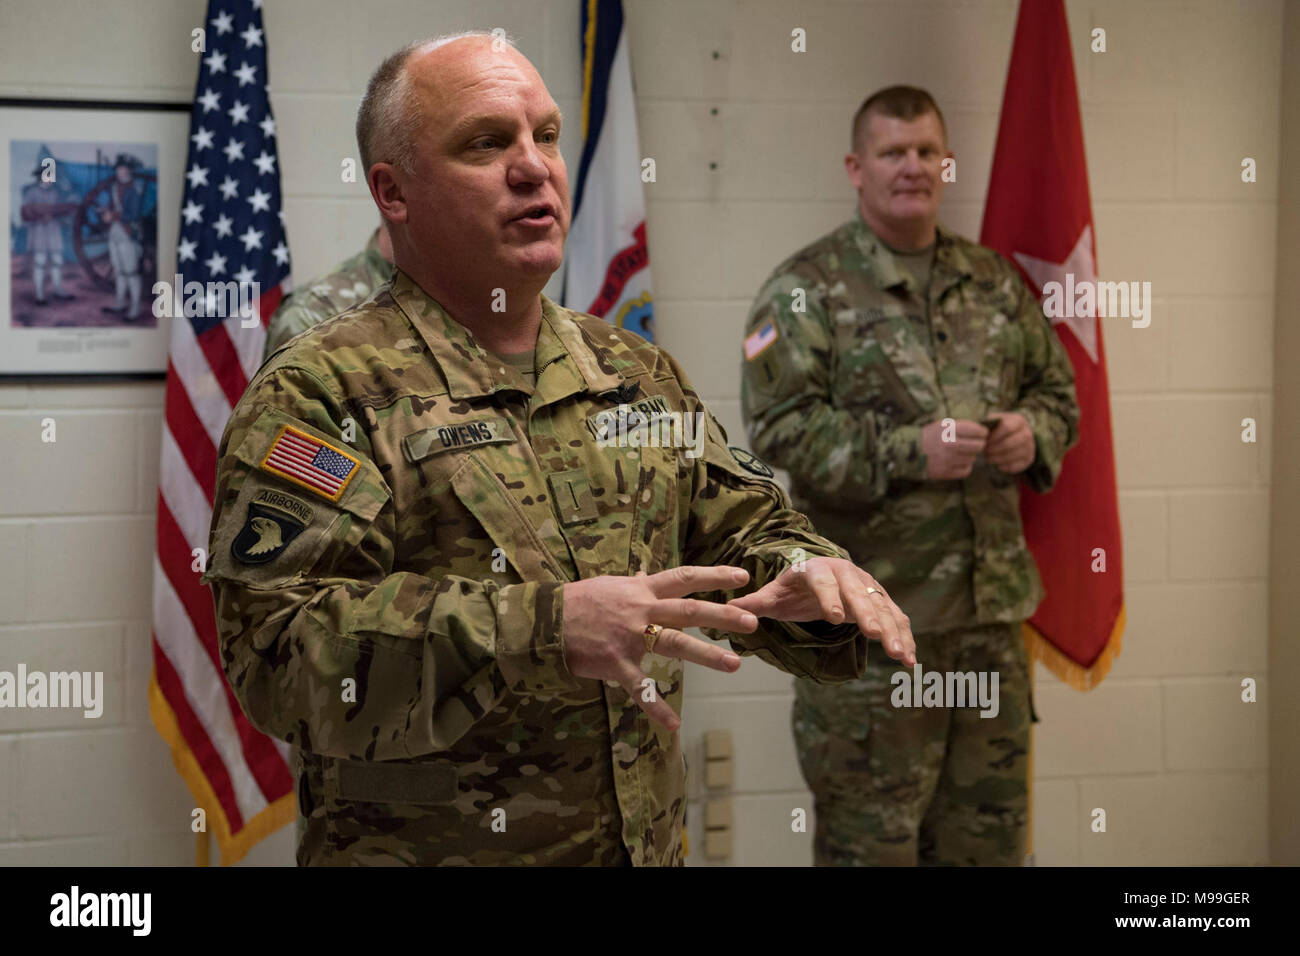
{"x":349,"y":284}
{"x":847,"y":359}
{"x":397,"y":507}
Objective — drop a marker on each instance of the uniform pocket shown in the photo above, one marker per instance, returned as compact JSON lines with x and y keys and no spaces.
{"x":875,"y":359}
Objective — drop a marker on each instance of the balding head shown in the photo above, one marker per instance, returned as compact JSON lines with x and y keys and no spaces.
{"x":389,"y":117}
{"x":461,"y":143}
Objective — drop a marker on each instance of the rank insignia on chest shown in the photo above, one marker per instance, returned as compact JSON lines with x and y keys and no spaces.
{"x":311,"y":463}
{"x":273,"y":521}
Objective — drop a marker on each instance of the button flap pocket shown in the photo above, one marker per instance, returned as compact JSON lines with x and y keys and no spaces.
{"x":529,"y":550}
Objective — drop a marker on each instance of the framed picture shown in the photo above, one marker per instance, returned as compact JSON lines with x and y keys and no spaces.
{"x":91,"y":197}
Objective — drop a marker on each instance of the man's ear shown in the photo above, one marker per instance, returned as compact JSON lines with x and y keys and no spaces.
{"x":853,"y":166}
{"x":385,"y":182}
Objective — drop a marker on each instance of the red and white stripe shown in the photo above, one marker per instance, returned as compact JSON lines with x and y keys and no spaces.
{"x":206,"y":375}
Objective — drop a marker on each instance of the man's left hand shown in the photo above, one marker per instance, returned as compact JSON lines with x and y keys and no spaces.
{"x":1010,"y":447}
{"x":835,"y":590}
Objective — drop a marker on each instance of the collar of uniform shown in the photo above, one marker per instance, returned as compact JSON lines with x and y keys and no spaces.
{"x":950,"y":263}
{"x":565,"y":362}
{"x":877,"y":253}
{"x":586,"y":365}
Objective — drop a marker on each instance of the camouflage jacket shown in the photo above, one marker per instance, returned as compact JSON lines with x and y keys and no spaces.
{"x":846,"y":360}
{"x":396,"y":513}
{"x":349,"y":284}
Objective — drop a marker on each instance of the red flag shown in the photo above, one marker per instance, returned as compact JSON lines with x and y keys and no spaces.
{"x":1039,"y":215}
{"x":230,"y":230}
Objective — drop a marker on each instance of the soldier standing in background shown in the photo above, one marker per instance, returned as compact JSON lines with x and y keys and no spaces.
{"x":908,"y":381}
{"x":125,"y":249}
{"x":45,"y":207}
{"x":460,"y":607}
{"x":347,"y":284}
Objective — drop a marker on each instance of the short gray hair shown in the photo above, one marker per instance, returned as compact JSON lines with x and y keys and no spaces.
{"x":389,"y":119}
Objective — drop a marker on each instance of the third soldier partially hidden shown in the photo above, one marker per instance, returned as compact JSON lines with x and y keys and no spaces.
{"x":908,"y":381}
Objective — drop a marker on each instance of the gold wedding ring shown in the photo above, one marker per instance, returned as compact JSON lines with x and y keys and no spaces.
{"x":652,"y":632}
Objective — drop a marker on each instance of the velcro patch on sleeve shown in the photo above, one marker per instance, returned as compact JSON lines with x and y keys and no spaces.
{"x":750,"y":462}
{"x":760,"y":340}
{"x":311,"y":463}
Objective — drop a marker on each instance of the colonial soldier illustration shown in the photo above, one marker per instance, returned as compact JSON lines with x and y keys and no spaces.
{"x":46,"y":207}
{"x":462,"y":611}
{"x":908,"y":381}
{"x":125,"y":250}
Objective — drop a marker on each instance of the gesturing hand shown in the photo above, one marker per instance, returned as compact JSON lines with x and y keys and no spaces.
{"x":605,"y":620}
{"x":835,"y":590}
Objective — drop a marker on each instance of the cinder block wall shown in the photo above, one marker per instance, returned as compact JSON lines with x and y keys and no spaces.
{"x":1185,"y":90}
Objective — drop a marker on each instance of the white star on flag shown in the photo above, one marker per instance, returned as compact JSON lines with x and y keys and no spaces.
{"x":237,"y":113}
{"x":216,"y":61}
{"x":229,"y":188}
{"x":223,"y":225}
{"x":224,"y":23}
{"x":265,"y":163}
{"x":193,"y":212}
{"x":216,"y":263}
{"x":245,"y":274}
{"x":185,"y":249}
{"x":281,"y":253}
{"x":268,"y":126}
{"x":234,"y":150}
{"x":252,"y":36}
{"x":202,"y":139}
{"x":252,"y":239}
{"x":246,"y":74}
{"x":198,"y":176}
{"x":1079,"y":263}
{"x":260,"y":201}
{"x":210,"y":99}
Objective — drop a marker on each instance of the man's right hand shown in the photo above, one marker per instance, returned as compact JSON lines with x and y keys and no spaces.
{"x":949,"y":460}
{"x":605,"y":620}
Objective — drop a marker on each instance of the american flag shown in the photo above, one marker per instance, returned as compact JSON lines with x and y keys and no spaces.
{"x":309,"y":461}
{"x":232,"y":229}
{"x":759,"y":339}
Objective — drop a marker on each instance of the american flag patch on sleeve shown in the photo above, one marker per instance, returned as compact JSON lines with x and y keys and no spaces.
{"x":760,"y":339}
{"x":307,"y":461}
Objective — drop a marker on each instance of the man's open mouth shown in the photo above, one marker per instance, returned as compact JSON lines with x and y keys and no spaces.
{"x":542,"y":213}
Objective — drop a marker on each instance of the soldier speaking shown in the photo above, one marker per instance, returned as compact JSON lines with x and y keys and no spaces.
{"x":475,"y":646}
{"x":908,"y":381}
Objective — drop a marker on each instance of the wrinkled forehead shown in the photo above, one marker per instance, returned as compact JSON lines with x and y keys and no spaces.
{"x":474,"y":74}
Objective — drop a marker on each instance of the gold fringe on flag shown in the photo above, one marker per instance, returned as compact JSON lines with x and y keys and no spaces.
{"x":1075,"y":675}
{"x":233,"y":848}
